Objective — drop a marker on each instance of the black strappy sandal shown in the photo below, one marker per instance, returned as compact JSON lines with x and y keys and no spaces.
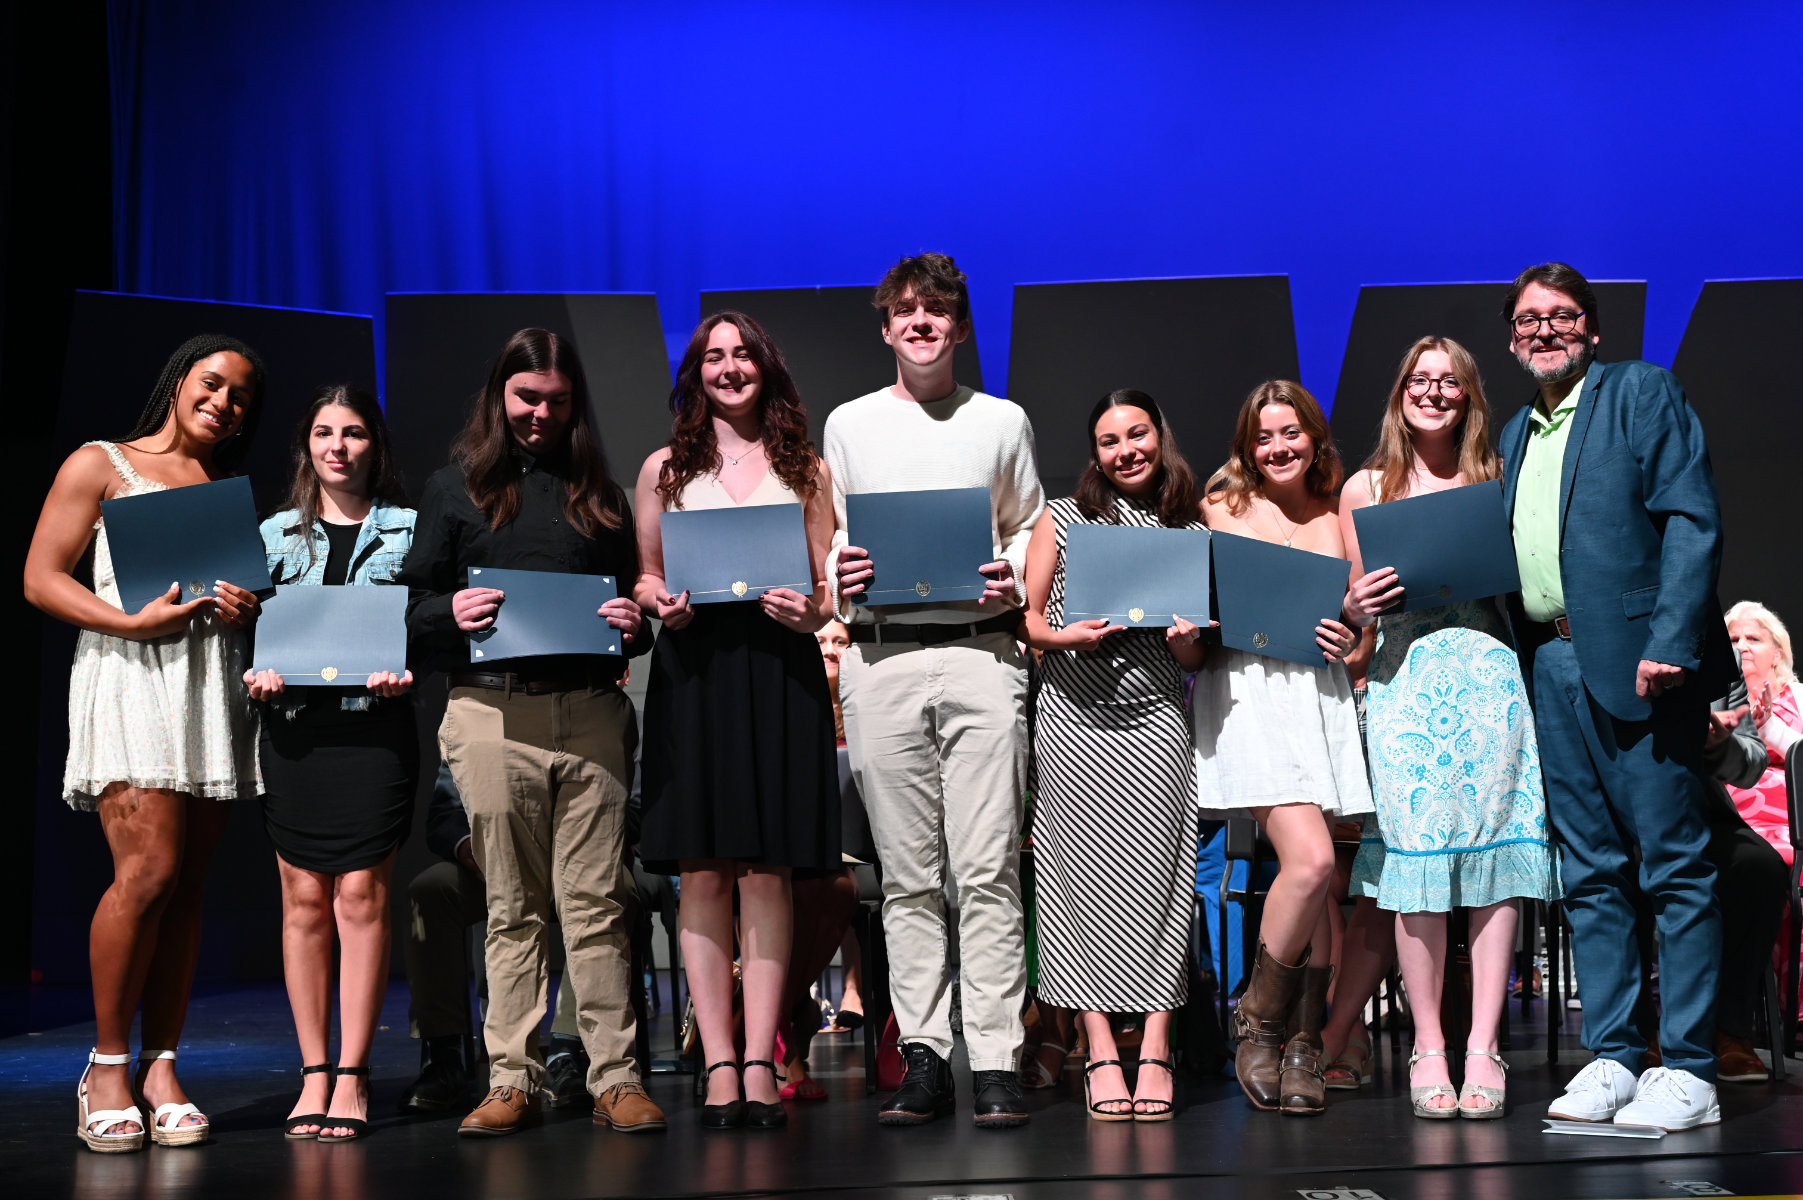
{"x":293,"y":1130}
{"x":1096,"y":1111}
{"x":358,"y":1126}
{"x":730,"y":1115}
{"x":759,"y":1115}
{"x":1165,"y":1107}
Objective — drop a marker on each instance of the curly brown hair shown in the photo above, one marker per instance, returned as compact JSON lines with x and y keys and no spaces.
{"x":782,"y":421}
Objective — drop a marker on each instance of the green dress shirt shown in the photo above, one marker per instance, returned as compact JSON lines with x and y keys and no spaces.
{"x":1535,"y":521}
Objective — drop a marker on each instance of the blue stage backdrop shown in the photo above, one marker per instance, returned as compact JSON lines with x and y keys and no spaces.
{"x":318,"y":155}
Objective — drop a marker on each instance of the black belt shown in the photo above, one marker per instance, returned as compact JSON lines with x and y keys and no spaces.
{"x":933,"y":635}
{"x":1546,"y":631}
{"x":530,"y":684}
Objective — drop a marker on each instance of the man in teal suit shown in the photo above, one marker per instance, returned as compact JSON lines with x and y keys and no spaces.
{"x":1618,"y":538}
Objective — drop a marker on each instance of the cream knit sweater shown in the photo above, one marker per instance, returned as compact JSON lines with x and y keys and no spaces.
{"x":882,"y":443}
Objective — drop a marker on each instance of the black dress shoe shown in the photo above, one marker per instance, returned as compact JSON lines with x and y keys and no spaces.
{"x":730,"y":1115}
{"x":444,"y":1083}
{"x":759,"y":1115}
{"x":998,"y":1101}
{"x":926,"y":1090}
{"x":566,"y":1075}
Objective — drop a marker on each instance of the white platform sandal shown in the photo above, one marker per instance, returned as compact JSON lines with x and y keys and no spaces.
{"x":103,"y":1139}
{"x":166,"y":1128}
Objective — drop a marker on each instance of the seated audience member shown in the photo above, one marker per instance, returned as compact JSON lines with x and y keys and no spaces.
{"x":1762,"y":644}
{"x":1750,"y":884}
{"x":444,"y":900}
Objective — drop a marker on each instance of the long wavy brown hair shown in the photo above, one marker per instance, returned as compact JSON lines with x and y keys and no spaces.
{"x":782,"y":421}
{"x":1175,"y":497}
{"x":1239,"y":476}
{"x":1394,"y":458}
{"x":303,"y":481}
{"x":485,"y":448}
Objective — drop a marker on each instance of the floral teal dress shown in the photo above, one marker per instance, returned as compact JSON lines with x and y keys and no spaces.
{"x":1455,"y":768}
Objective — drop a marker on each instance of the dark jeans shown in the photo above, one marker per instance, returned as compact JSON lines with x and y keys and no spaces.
{"x":1611,"y":784}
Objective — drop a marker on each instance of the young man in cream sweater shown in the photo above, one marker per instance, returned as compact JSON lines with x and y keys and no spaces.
{"x":935,"y":702}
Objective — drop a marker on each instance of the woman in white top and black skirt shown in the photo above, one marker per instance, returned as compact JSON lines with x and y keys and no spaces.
{"x":741,"y":785}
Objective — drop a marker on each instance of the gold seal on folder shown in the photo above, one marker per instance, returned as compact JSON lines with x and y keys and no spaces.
{"x":329,"y":674}
{"x":922,"y":588}
{"x":740,"y":587}
{"x":1260,"y":640}
{"x":1446,"y":591}
{"x":198,"y":587}
{"x":1136,"y":615}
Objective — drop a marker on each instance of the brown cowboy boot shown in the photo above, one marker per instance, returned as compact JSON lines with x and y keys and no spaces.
{"x":1303,"y":1083}
{"x":1260,"y":1021}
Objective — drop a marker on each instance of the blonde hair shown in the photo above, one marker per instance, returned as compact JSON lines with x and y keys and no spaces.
{"x":1239,"y":476}
{"x":1394,"y":458}
{"x":1753,"y":610}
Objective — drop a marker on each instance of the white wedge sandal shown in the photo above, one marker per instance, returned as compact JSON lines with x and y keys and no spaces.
{"x":166,"y":1128}
{"x":103,"y":1139}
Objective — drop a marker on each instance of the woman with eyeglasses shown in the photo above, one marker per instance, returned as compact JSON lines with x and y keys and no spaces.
{"x":1455,"y":767}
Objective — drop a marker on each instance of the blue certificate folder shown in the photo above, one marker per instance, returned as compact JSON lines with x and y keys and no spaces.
{"x":545,"y":612}
{"x":925,"y":546}
{"x":1272,"y":597}
{"x":189,"y":535}
{"x":1444,"y":546}
{"x":1135,"y":576}
{"x":332,"y":635}
{"x":719,"y":555}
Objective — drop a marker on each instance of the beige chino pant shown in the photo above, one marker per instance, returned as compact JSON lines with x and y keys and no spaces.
{"x":545,"y":780}
{"x":938,"y":742}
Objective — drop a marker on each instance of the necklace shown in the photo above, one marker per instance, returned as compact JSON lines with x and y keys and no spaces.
{"x":1294,"y":525}
{"x":745,"y":453}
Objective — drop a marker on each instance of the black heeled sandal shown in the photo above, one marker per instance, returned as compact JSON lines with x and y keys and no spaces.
{"x":759,"y":1115}
{"x":1164,"y":1108}
{"x":293,"y":1130}
{"x":723,"y":1116}
{"x":1096,"y":1111}
{"x":358,"y":1126}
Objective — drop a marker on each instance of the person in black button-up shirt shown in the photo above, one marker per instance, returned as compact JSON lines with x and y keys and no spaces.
{"x":541,"y":754}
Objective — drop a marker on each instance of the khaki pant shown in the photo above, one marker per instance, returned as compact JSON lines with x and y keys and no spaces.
{"x":544,"y":780}
{"x":938,"y":742}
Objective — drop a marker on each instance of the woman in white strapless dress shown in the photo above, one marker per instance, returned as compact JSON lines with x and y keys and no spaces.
{"x":1279,"y":741}
{"x":160,"y":730}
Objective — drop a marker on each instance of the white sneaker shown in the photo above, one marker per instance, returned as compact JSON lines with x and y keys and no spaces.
{"x":1596,"y":1093}
{"x":1672,"y":1099}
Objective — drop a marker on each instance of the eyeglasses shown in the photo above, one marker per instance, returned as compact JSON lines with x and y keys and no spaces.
{"x":1527,"y":325}
{"x":1419,"y":386}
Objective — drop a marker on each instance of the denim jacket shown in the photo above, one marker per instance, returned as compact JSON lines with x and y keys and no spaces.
{"x":381,"y":547}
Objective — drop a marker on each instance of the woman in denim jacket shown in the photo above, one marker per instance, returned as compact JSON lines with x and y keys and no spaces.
{"x":340,"y":764}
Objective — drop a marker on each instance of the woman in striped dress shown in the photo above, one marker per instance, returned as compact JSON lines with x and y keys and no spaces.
{"x":1114,"y":826}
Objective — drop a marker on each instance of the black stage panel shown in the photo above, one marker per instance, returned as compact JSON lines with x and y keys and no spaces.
{"x":1742,"y":367}
{"x":117,"y":347}
{"x":1197,"y":346}
{"x":238,"y":1062}
{"x":1390,"y":317}
{"x":440,"y":346}
{"x":832,"y":338}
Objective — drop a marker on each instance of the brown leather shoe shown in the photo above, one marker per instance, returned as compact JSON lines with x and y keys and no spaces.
{"x":1262,"y":1019}
{"x":504,"y":1110}
{"x":1735,"y":1061}
{"x":627,"y":1108}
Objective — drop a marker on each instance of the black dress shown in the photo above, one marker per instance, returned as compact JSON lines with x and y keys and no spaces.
{"x":739,"y":760}
{"x":340,"y":781}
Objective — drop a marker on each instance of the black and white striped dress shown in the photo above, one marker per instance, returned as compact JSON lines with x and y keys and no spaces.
{"x":1114,"y":813}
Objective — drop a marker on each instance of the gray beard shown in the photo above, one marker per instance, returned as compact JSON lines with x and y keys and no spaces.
{"x":1576,"y":366}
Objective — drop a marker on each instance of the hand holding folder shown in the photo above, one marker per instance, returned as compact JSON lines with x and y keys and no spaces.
{"x":528,"y":614}
{"x":1443,"y":547}
{"x":921,"y":547}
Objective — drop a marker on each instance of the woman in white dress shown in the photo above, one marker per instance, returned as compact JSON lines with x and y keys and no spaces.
{"x":1280,"y":742}
{"x":160,"y":730}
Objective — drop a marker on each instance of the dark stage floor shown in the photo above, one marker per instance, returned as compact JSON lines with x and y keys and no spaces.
{"x":239,"y":1062}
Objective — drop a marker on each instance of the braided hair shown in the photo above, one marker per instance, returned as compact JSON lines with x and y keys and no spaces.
{"x":232,"y":450}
